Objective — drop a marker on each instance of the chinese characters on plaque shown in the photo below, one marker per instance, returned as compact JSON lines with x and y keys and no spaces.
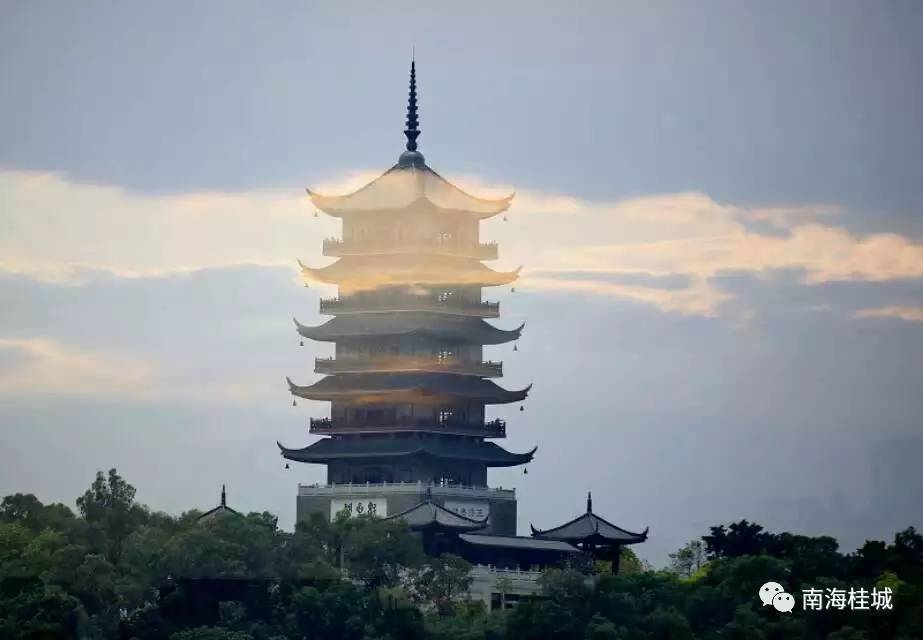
{"x":472,"y":510}
{"x":355,"y":507}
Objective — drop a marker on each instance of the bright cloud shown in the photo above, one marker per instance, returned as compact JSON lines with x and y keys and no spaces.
{"x":53,"y":227}
{"x":910,"y":314}
{"x":42,"y":365}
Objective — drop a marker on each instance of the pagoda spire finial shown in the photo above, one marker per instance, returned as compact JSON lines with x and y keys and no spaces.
{"x":589,"y":502}
{"x":412,"y":130}
{"x":224,"y":496}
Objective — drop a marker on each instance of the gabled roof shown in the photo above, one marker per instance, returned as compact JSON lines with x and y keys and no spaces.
{"x":410,"y":185}
{"x":374,"y":325}
{"x":367,"y":273}
{"x":328,"y":449}
{"x":590,"y":528}
{"x":221,"y":510}
{"x":429,"y":515}
{"x":393,"y":387}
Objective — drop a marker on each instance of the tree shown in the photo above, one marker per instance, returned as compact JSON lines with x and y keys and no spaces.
{"x":688,"y":559}
{"x":375,"y":551}
{"x":599,"y":628}
{"x":109,"y":507}
{"x":737,"y":539}
{"x":27,"y":510}
{"x":210,"y":633}
{"x":441,"y":581}
{"x":21,"y":508}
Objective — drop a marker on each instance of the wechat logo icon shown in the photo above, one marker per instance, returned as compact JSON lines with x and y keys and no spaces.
{"x":773,"y":594}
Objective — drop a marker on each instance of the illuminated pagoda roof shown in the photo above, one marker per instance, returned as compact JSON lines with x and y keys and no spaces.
{"x":410,"y":184}
{"x":378,"y":325}
{"x":431,"y":516}
{"x":328,"y":449}
{"x":396,"y":387}
{"x":406,"y":186}
{"x":589,"y":528}
{"x":372,"y":272}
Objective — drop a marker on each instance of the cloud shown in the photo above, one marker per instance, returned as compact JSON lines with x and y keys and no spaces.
{"x":43,"y":365}
{"x":56,"y":230}
{"x":909,"y":314}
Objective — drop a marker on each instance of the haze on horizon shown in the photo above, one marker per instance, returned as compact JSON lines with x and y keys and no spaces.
{"x":717,"y":210}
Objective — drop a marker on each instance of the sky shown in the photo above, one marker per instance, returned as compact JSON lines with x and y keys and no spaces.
{"x":717,"y":213}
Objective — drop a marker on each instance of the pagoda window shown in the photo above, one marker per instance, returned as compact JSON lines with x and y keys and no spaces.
{"x":444,"y":296}
{"x":445,"y":355}
{"x":444,"y":238}
{"x":446,"y":416}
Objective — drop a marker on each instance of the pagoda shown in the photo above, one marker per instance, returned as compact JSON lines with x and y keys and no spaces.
{"x":409,"y":386}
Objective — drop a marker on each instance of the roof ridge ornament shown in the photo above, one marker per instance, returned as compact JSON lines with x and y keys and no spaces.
{"x":411,"y":158}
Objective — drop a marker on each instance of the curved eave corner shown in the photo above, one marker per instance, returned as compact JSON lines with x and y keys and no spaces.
{"x":316,"y":274}
{"x":513,"y":334}
{"x":499,"y":278}
{"x":520,"y":395}
{"x":285,"y":452}
{"x":311,"y":333}
{"x":520,"y":458}
{"x":491,"y":206}
{"x":332,"y":205}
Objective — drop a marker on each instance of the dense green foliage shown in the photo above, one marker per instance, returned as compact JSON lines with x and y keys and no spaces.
{"x":115,"y":569}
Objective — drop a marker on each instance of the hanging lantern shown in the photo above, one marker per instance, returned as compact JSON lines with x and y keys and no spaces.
{"x":504,"y":218}
{"x":301,"y":343}
{"x":294,"y":403}
{"x":525,"y":471}
{"x":316,"y":215}
{"x":515,"y":347}
{"x":287,"y":466}
{"x":512,"y":289}
{"x":522,"y":408}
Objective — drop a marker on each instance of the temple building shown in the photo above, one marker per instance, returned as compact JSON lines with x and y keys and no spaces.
{"x":409,"y":387}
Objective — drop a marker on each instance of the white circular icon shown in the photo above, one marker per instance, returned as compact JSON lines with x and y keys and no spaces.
{"x":784,"y":602}
{"x":768,"y":591}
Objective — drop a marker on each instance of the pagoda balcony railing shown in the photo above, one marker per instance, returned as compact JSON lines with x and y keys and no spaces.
{"x":336,"y":248}
{"x":327,"y":426}
{"x":339,"y":306}
{"x":349,"y":489}
{"x":393,"y":364}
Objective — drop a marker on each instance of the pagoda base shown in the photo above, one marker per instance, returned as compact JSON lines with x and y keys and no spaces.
{"x":390,"y":498}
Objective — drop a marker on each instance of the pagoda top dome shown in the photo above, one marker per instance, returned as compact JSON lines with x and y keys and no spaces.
{"x":410,"y":182}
